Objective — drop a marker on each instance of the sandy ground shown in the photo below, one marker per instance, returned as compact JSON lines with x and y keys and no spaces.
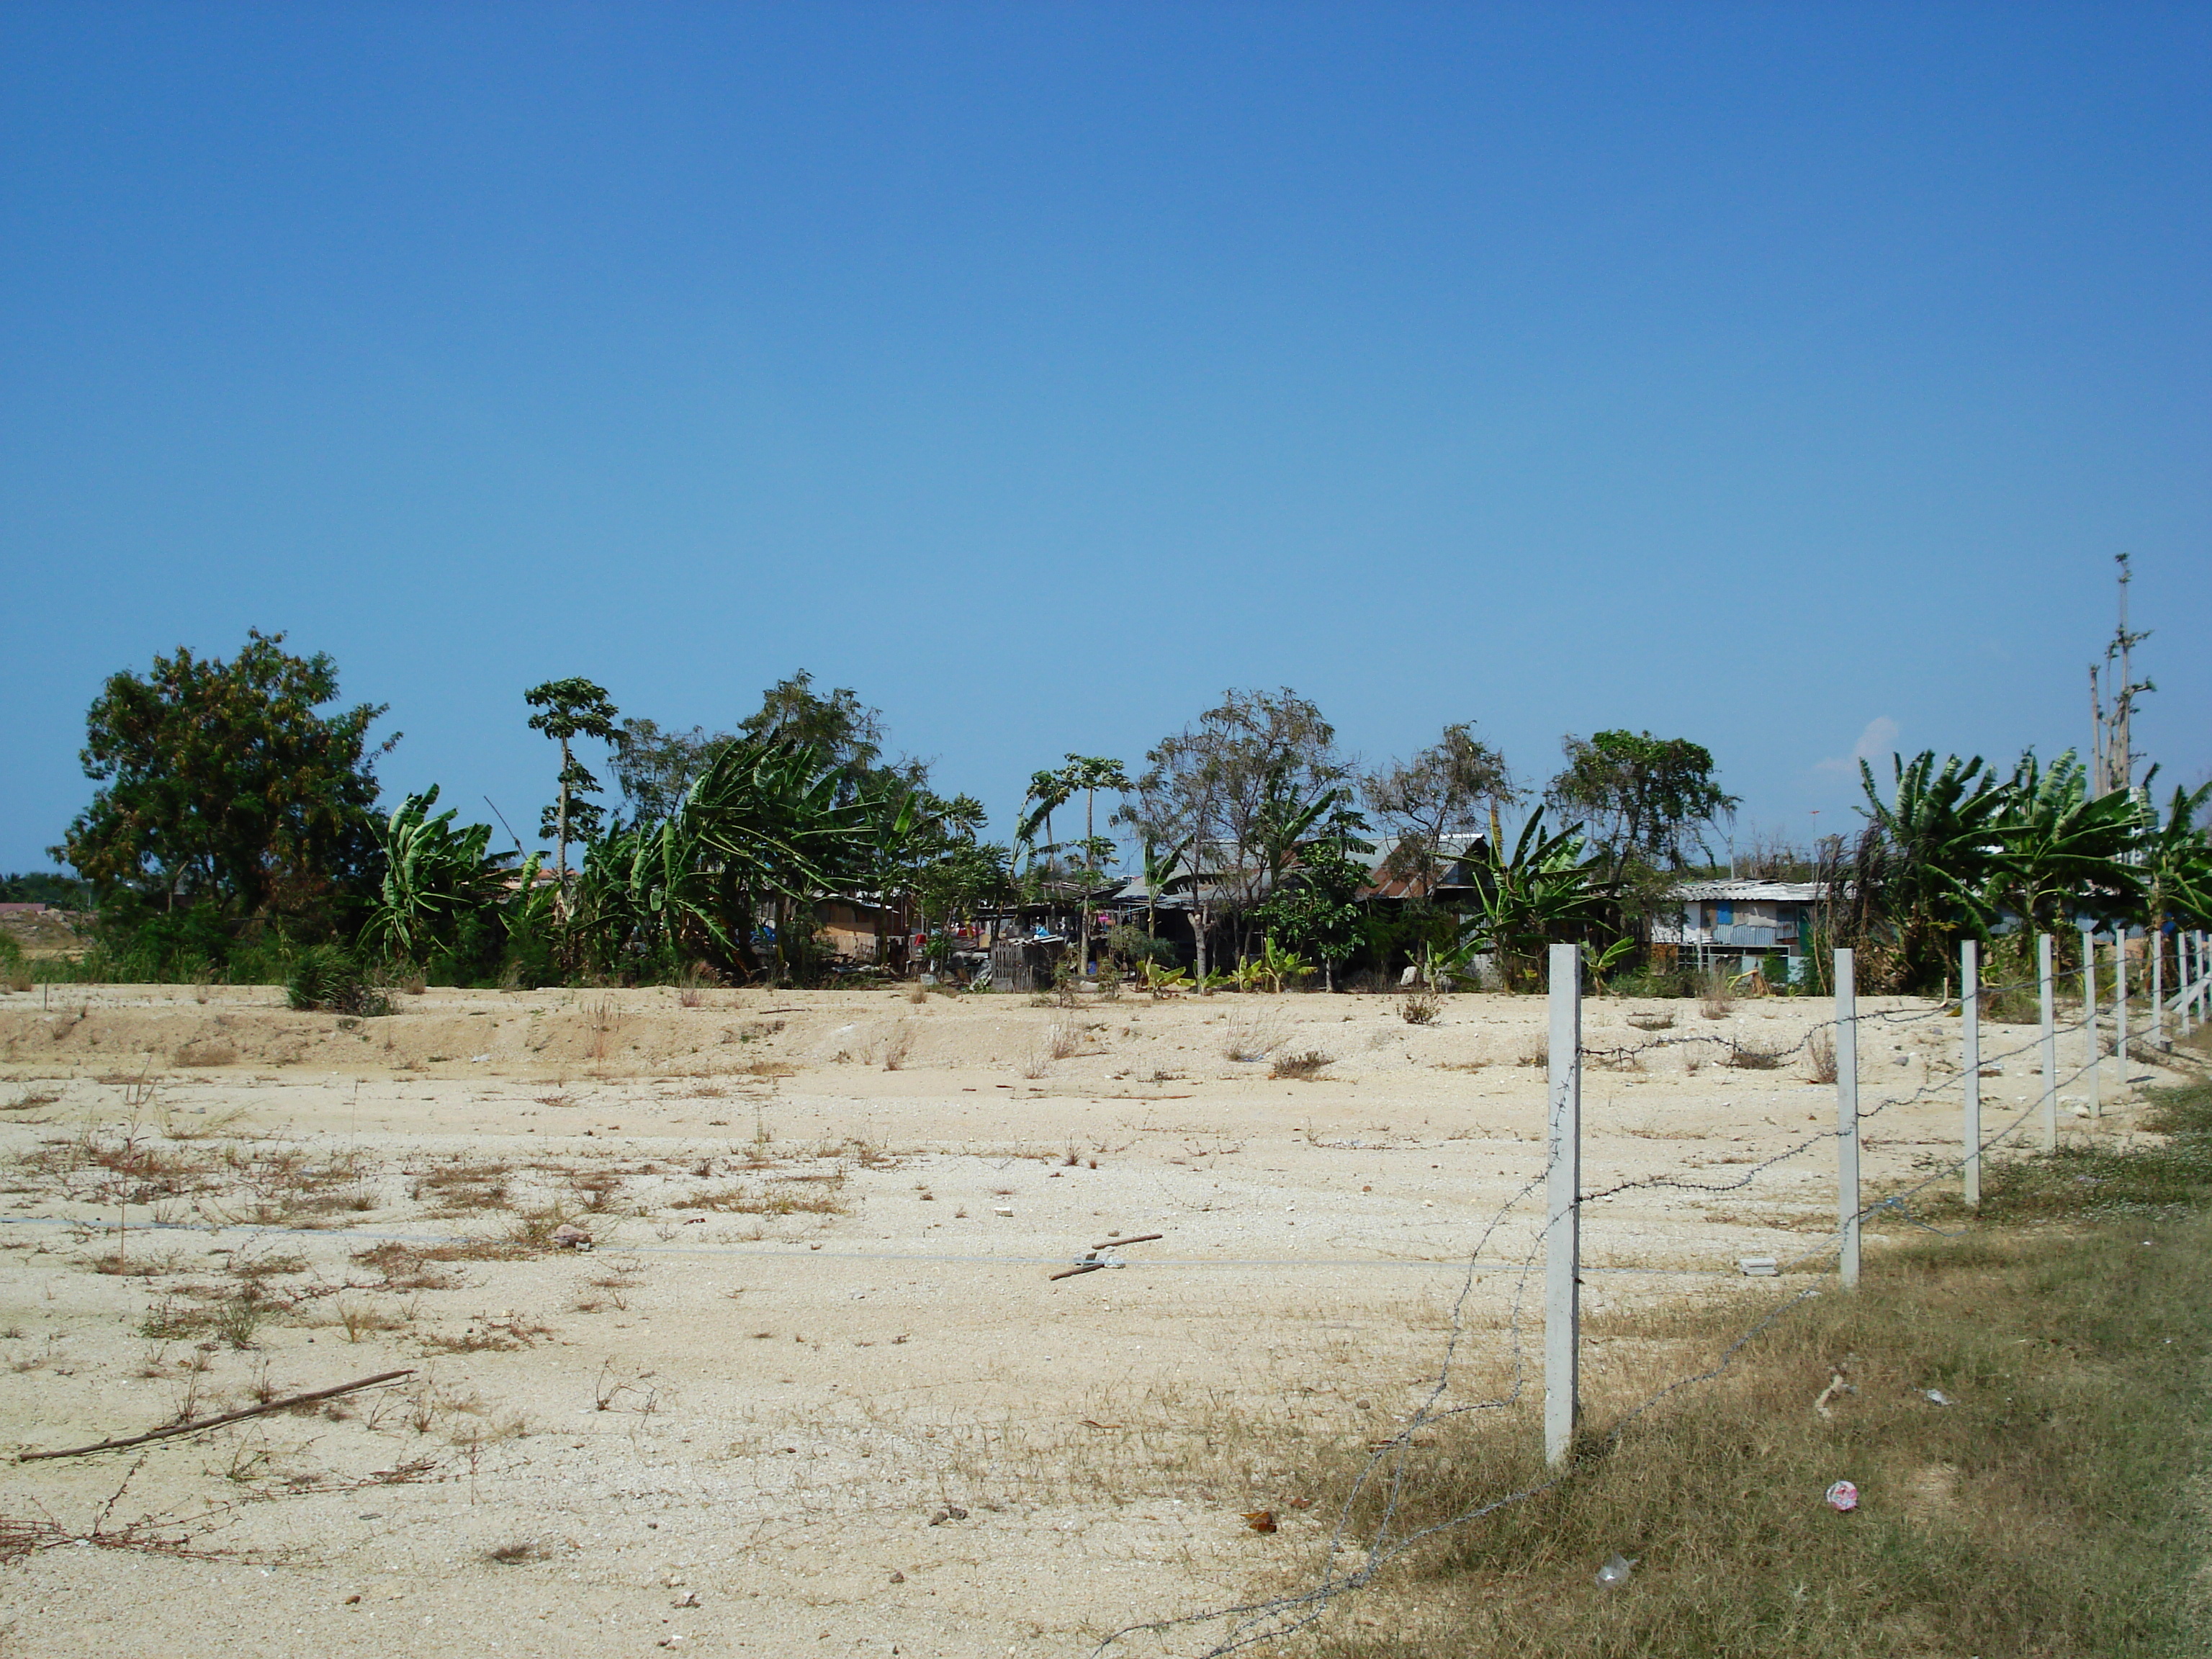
{"x":812,"y":1389}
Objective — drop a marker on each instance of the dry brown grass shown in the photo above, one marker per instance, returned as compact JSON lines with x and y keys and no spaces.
{"x":1820,"y":1056}
{"x":458,"y":1187}
{"x":794,"y":1195}
{"x":406,"y":1268}
{"x":1300,"y":1068}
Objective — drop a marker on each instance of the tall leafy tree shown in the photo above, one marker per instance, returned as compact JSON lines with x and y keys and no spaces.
{"x":223,"y":783}
{"x":1445,"y":788}
{"x":654,"y":767}
{"x":1228,"y":784}
{"x":1642,"y":798}
{"x":848,"y":733}
{"x":568,"y":709}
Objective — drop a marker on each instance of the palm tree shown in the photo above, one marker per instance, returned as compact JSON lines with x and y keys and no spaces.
{"x":1091,"y":773}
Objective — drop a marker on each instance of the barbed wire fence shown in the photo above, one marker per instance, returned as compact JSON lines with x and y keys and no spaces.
{"x":1357,"y":1552}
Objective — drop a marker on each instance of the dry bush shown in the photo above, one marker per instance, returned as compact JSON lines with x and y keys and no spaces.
{"x":357,"y":1321}
{"x":405,"y":1267}
{"x":1753,"y":1057}
{"x":1653,"y":1020}
{"x":1534,"y":1051}
{"x":490,"y":1336}
{"x":1420,"y":1008}
{"x":1301,"y":1067}
{"x":688,"y":998}
{"x":897,"y":1044}
{"x":1064,"y":1039}
{"x":596,"y":1189}
{"x":918,"y":993}
{"x":1820,"y":1056}
{"x":1255,"y":1038}
{"x":204,"y":1053}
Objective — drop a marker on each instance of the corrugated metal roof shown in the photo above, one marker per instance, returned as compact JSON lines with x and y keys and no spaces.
{"x":1779,"y":892}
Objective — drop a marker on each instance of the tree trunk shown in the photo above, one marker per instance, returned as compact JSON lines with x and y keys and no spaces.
{"x":1089,"y":830}
{"x":561,"y":827}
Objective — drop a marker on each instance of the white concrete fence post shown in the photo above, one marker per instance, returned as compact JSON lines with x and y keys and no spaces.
{"x":2154,"y":936}
{"x":2120,"y":1002}
{"x":1969,"y":1065}
{"x":2190,"y":969}
{"x":1563,"y":1208}
{"x":1847,"y":1116}
{"x":2093,"y":1071}
{"x":2047,"y":1014}
{"x":2197,"y":981}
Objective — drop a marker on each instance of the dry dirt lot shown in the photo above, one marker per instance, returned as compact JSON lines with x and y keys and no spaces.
{"x":812,"y":1389}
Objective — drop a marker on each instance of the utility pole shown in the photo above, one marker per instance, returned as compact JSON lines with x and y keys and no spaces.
{"x":2112,"y":764}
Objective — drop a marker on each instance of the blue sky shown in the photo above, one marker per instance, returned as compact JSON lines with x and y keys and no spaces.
{"x":1780,"y":377}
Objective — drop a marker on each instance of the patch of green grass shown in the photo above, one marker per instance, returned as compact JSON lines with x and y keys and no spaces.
{"x":2171,"y":1172}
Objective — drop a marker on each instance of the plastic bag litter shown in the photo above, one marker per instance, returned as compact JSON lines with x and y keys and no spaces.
{"x":1937,"y":1397}
{"x":1615,"y":1572}
{"x":1843,"y":1497}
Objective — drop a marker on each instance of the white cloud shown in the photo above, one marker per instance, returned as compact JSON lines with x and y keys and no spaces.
{"x":1874,"y":743}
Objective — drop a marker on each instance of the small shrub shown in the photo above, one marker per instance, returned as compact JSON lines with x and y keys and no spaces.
{"x":326,"y":980}
{"x":1420,"y":1008}
{"x":205,"y":1054}
{"x":236,"y":1318}
{"x":1302,"y":1068}
{"x":1249,"y":1040}
{"x":1820,"y":1056}
{"x":1753,"y":1057}
{"x":1656,"y":1020}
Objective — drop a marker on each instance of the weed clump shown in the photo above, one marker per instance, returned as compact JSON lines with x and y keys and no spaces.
{"x":327,"y":979}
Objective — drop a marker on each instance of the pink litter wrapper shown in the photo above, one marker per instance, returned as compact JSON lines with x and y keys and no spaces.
{"x":1842,"y":1497}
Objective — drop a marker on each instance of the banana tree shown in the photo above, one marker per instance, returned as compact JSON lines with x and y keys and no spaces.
{"x":1927,"y":865}
{"x":433,"y":875}
{"x":1548,"y":887}
{"x":2175,"y":855}
{"x":2064,"y":850}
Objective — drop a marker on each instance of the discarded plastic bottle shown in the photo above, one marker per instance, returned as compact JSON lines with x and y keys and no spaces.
{"x":1615,"y":1572}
